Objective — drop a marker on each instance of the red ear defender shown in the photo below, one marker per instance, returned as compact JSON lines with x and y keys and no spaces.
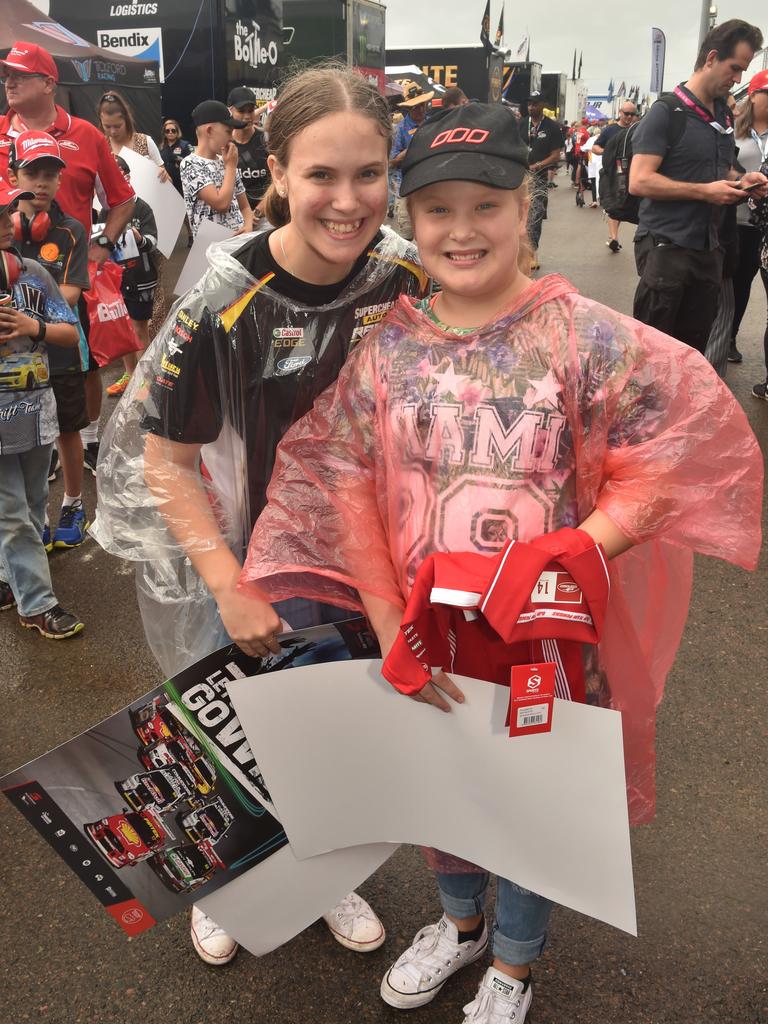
{"x":39,"y":226}
{"x":10,"y":269}
{"x":34,"y":230}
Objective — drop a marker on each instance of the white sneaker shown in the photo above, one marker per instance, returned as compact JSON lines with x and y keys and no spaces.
{"x":355,"y":925}
{"x":417,"y":976}
{"x":211,"y":942}
{"x":499,"y":1000}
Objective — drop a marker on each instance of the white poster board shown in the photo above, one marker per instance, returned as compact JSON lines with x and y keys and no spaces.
{"x":197,"y":261}
{"x":273,"y":902}
{"x":349,"y":761}
{"x":166,"y":203}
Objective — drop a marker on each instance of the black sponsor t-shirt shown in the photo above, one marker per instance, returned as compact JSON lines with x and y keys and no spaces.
{"x":258,"y":260}
{"x":543,"y":139}
{"x":257,"y":361}
{"x":64,"y":254}
{"x":252,"y":164}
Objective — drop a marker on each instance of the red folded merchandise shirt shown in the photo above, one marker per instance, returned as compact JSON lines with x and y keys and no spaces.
{"x":479,"y":616}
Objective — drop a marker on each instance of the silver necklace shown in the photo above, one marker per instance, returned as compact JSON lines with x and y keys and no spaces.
{"x":285,"y":257}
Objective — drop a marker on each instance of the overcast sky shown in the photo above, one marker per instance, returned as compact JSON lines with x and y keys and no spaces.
{"x":615,"y":37}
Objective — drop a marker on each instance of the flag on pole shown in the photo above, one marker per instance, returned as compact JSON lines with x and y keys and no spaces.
{"x":523,"y":49}
{"x":610,"y":91}
{"x":485,"y":27}
{"x":573,"y":73}
{"x":622,"y":90}
{"x":500,"y":29}
{"x":658,"y":54}
{"x":581,"y":58}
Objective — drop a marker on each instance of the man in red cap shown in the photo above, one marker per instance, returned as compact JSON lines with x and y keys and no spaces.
{"x":29,"y":76}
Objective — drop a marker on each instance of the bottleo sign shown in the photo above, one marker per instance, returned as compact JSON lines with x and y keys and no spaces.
{"x":249,"y":46}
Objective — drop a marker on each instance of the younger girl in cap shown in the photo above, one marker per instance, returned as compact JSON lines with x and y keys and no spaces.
{"x":508,"y":408}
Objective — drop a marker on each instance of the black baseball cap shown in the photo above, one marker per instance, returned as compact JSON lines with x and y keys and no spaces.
{"x":535,"y":97}
{"x":241,"y":96}
{"x":214,"y":112}
{"x":478,"y":142}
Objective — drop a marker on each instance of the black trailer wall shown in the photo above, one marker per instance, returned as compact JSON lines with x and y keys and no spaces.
{"x":465,"y":66}
{"x":205,"y":46}
{"x":81,"y":99}
{"x":85,"y":71}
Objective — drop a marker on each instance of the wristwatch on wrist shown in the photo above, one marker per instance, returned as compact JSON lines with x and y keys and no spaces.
{"x":105,"y":243}
{"x":41,"y":329}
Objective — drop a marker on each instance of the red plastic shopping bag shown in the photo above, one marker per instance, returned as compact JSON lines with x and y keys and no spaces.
{"x":111,"y":331}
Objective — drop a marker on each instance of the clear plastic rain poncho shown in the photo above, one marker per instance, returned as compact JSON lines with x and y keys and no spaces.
{"x":437,"y":442}
{"x":234,"y":365}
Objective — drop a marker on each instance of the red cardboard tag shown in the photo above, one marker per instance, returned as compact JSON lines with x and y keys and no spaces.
{"x":531,"y":698}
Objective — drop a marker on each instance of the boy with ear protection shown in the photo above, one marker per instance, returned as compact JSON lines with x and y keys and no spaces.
{"x":44,"y":233}
{"x":34,"y":319}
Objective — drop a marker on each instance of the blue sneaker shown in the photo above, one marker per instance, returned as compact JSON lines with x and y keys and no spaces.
{"x":71,"y":531}
{"x":47,"y":542}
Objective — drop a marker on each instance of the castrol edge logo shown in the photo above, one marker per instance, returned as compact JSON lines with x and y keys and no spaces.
{"x":469,"y":136}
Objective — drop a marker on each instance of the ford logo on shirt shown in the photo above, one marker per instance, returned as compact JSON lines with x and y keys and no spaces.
{"x":291,"y":364}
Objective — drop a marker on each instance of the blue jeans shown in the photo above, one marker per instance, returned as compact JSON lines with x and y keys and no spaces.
{"x":23,"y":499}
{"x":520,"y":929}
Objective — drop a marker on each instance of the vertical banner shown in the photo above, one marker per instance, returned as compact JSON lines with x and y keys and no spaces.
{"x":658,"y":53}
{"x":495,"y":77}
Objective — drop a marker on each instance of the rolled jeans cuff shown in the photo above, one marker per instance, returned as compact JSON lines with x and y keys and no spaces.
{"x":462,"y":907}
{"x":511,"y":951}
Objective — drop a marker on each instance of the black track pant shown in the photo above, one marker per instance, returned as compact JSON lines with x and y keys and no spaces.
{"x":678,"y":289}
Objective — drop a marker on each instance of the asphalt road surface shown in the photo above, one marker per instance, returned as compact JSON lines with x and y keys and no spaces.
{"x":700,"y":868}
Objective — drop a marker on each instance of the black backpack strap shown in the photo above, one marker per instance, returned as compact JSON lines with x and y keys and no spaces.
{"x":677,"y":118}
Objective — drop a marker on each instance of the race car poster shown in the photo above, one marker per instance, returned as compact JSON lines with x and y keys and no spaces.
{"x":164,"y":802}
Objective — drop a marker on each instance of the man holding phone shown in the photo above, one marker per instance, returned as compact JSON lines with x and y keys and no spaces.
{"x":685,"y":188}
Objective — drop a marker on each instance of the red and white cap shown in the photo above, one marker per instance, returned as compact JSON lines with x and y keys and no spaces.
{"x":758,"y":82}
{"x":31,"y":145}
{"x":8,"y":196}
{"x":31,"y":59}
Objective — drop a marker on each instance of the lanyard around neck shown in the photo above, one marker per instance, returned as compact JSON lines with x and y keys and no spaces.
{"x":700,"y":112}
{"x":762,"y":146}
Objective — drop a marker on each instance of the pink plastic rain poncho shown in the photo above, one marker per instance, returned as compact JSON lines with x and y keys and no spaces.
{"x":437,"y":442}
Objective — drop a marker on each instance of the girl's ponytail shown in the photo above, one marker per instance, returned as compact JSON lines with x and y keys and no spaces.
{"x":275,"y":207}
